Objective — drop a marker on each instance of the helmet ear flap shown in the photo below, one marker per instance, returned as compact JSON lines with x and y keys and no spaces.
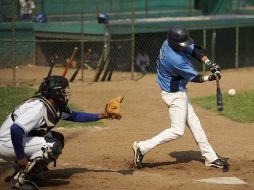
{"x":44,"y":87}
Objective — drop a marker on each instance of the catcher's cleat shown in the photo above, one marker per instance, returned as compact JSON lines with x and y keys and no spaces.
{"x":138,"y":157}
{"x":23,"y":185}
{"x":218,"y":163}
{"x":29,"y":185}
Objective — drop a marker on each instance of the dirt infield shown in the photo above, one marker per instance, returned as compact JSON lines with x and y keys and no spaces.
{"x":101,"y":158}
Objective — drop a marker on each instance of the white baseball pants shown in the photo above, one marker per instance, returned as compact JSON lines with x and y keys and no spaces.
{"x":181,"y":114}
{"x":32,"y":148}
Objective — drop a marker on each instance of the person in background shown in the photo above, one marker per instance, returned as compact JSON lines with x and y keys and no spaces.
{"x":27,"y":10}
{"x":142,"y":61}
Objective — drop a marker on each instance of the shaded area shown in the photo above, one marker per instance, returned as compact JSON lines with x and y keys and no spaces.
{"x":181,"y":157}
{"x":60,"y":177}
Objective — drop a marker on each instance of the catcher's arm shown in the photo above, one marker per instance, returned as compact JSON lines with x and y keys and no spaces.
{"x":103,"y":115}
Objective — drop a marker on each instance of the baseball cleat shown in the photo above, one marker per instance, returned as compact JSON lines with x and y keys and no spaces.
{"x":138,"y":157}
{"x":225,"y":159}
{"x":218,"y":163}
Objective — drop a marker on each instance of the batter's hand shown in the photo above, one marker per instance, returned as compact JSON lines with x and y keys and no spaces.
{"x":213,"y":67}
{"x":215,"y":75}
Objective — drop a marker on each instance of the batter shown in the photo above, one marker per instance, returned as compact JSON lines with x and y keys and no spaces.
{"x":174,"y":71}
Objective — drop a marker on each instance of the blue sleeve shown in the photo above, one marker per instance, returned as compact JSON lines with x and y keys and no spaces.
{"x":17,"y":140}
{"x":82,"y":117}
{"x":189,"y":49}
{"x":185,"y":71}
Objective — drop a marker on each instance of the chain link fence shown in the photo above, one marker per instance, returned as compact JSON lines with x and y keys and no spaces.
{"x":108,"y":52}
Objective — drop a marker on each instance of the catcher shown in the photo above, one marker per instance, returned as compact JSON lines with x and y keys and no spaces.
{"x":26,"y":136}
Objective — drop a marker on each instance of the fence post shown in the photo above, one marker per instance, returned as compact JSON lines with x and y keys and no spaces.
{"x":146,"y":7}
{"x":82,"y":39}
{"x":213,"y":44}
{"x":204,"y":45}
{"x":107,"y":39}
{"x":132,"y":38}
{"x":14,"y":43}
{"x":236,"y":46}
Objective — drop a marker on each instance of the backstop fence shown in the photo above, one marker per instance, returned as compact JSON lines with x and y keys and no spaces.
{"x":128,"y":44}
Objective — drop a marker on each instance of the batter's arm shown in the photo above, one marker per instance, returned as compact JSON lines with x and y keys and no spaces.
{"x":198,"y":79}
{"x":203,"y":78}
{"x":199,"y":53}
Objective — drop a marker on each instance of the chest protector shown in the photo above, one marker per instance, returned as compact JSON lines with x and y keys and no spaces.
{"x":51,"y":116}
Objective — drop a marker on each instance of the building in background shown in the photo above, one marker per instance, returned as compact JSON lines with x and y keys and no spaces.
{"x":225,"y":24}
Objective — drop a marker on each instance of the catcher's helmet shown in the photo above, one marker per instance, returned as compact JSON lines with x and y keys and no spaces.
{"x":55,"y":87}
{"x":178,"y":38}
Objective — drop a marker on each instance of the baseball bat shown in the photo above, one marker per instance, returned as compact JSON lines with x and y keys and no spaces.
{"x":75,"y":73}
{"x":219,"y":96}
{"x":100,"y":68}
{"x":79,"y":66}
{"x":69,"y":61}
{"x":51,"y":68}
{"x":52,"y":64}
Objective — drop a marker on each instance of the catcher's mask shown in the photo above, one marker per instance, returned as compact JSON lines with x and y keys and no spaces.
{"x":55,"y":87}
{"x":179,"y":38}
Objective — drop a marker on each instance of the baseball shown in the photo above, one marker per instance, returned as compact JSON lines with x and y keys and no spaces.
{"x":231,"y":92}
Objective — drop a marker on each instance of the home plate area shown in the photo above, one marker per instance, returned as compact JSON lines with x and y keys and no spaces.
{"x":223,"y":180}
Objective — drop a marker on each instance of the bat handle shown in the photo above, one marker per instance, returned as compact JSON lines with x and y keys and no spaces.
{"x":217,"y":82}
{"x":219,"y":95}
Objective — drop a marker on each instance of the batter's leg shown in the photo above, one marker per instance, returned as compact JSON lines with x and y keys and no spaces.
{"x":199,"y":135}
{"x":177,"y":106}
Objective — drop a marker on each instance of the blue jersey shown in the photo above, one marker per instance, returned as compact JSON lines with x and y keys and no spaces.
{"x":174,"y":69}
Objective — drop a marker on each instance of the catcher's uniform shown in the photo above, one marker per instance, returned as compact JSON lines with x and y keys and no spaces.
{"x":35,"y":116}
{"x":174,"y":71}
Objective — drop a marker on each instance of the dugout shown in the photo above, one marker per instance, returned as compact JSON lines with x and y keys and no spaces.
{"x":234,"y":36}
{"x":36,"y":43}
{"x":233,"y":41}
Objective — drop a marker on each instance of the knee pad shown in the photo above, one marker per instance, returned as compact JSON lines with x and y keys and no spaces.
{"x":51,"y":149}
{"x":58,"y":136}
{"x":36,"y":166}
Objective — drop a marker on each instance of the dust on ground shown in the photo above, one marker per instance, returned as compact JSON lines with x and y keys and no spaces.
{"x":101,"y":158}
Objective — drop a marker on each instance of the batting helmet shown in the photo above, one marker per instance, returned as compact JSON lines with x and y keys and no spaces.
{"x":41,"y":17}
{"x":178,"y":38}
{"x":55,"y":87}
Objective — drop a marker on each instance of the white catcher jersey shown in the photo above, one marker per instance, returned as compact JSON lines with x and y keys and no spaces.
{"x":28,"y":116}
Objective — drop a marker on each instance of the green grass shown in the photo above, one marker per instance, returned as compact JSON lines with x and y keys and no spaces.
{"x":238,"y":108}
{"x":10,"y":97}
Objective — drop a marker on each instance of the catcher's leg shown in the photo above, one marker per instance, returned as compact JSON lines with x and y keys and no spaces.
{"x":50,"y":151}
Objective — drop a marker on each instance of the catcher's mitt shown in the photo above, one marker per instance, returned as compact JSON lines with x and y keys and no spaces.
{"x":112,"y":110}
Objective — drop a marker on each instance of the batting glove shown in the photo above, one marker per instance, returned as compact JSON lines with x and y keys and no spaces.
{"x":215,"y":75}
{"x":213,"y":67}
